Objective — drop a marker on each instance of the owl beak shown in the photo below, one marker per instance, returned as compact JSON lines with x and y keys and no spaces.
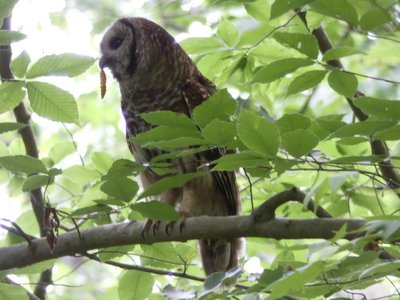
{"x":104,"y":62}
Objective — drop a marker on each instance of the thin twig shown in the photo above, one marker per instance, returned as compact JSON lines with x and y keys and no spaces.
{"x":30,"y":295}
{"x":251,"y":189}
{"x":19,"y":232}
{"x":145,"y":269}
{"x":74,"y":143}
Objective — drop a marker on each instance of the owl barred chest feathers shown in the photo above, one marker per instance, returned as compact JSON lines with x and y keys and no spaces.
{"x":134,"y":103}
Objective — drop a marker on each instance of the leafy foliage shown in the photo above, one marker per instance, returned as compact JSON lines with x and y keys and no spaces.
{"x":281,"y":114}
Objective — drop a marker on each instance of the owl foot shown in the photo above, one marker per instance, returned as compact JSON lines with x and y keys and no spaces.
{"x":181,"y":221}
{"x":150,"y":224}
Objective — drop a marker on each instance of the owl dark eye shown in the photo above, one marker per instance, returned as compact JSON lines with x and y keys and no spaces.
{"x":115,"y":43}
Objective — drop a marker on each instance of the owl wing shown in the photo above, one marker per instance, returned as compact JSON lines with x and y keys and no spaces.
{"x":196,"y":91}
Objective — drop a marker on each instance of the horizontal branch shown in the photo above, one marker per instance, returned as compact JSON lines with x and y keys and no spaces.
{"x":104,"y":236}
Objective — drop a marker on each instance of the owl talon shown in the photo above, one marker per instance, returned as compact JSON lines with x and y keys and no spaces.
{"x":169,"y":226}
{"x":156,"y":226}
{"x":182,"y":224}
{"x":146,"y":228}
{"x":184,"y":216}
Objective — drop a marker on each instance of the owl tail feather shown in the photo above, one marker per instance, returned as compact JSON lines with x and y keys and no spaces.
{"x":219,"y":255}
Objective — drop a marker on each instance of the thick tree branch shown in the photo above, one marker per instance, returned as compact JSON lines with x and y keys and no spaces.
{"x":21,"y":255}
{"x":31,"y":149}
{"x":378,"y":147}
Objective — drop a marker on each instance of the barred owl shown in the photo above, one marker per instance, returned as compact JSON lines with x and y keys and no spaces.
{"x":154,"y":73}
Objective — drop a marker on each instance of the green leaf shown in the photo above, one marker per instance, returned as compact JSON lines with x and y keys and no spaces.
{"x":282,"y":165}
{"x":59,"y":151}
{"x":23,"y":163}
{"x":343,"y":83}
{"x":304,"y":43}
{"x":12,"y":292}
{"x":177,"y":153}
{"x":299,"y":142}
{"x":123,"y":189}
{"x":219,"y":106}
{"x":279,"y":7}
{"x":51,"y":102}
{"x":236,"y":65}
{"x":36,"y":181}
{"x":219,"y":132}
{"x":62,"y":64}
{"x":161,"y":255}
{"x":269,"y":276}
{"x":8,"y":126}
{"x":185,"y":252}
{"x":91,"y":209}
{"x":6,"y":7}
{"x":123,"y":168}
{"x":258,"y":134}
{"x":212,"y":284}
{"x":228,"y":33}
{"x":9,"y":36}
{"x":381,"y":269}
{"x":358,"y":158}
{"x":110,"y":202}
{"x":390,"y":134}
{"x":258,"y":9}
{"x":171,"y":292}
{"x":20,"y":64}
{"x":354,"y":140}
{"x":165,"y":133}
{"x":295,"y":280}
{"x":174,"y":130}
{"x":367,"y":127}
{"x":280,"y":68}
{"x":291,"y":122}
{"x":81,"y":175}
{"x":156,"y":211}
{"x":54,"y":172}
{"x":11,"y":94}
{"x":202,"y":45}
{"x":113,"y":252}
{"x":169,"y":182}
{"x":385,"y":109}
{"x":135,"y":285}
{"x":339,"y":9}
{"x":176,"y":142}
{"x":245,"y":159}
{"x":102,"y":161}
{"x":215,"y":280}
{"x":387,"y":226}
{"x":168,"y":118}
{"x":306,"y":81}
{"x":331,"y":122}
{"x":373,"y":19}
{"x":338,"y":52}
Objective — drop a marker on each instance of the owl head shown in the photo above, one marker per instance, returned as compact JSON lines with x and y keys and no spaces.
{"x":138,"y":48}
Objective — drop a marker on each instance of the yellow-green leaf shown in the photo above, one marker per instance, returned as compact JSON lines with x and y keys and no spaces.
{"x":68,"y":64}
{"x":11,"y":94}
{"x":51,"y":102}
